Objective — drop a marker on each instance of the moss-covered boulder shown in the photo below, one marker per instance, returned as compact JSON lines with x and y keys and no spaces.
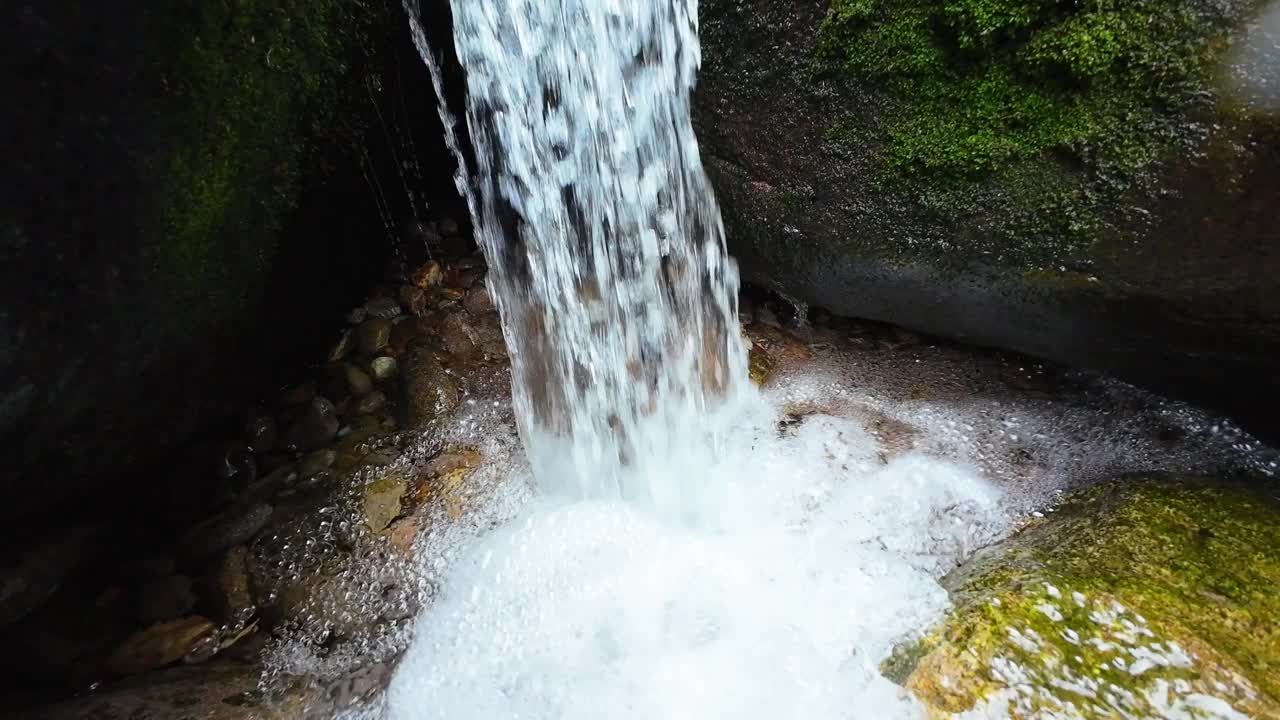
{"x":1083,"y":182}
{"x":154,"y":154}
{"x":1150,"y":596}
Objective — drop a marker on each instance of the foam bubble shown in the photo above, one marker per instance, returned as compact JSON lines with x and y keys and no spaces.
{"x":819,"y":559}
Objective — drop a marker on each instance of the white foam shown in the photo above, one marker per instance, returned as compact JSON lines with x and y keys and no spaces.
{"x":783,"y":605}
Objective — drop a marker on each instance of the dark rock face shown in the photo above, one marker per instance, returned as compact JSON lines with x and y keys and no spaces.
{"x":1170,"y":280}
{"x":182,"y":212}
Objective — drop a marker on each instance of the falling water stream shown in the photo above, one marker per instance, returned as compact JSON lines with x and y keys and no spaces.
{"x":683,"y":558}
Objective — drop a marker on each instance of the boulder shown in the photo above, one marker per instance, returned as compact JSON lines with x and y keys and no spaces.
{"x":155,"y":155}
{"x":1147,"y":596}
{"x":1079,"y":184}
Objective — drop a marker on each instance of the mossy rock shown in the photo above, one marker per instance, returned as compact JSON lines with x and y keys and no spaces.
{"x":1143,"y":597}
{"x":157,"y":153}
{"x":1066,"y":180}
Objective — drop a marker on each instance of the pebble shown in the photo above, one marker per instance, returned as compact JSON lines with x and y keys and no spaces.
{"x":478,"y":302}
{"x":316,"y":462}
{"x":317,"y":426}
{"x":236,"y":525}
{"x":358,"y":381}
{"x":428,"y":276}
{"x":374,"y":334}
{"x":383,"y":368}
{"x":430,"y":390}
{"x":343,"y":347}
{"x":160,"y":645}
{"x":414,"y":299}
{"x":382,"y":501}
{"x":371,"y":403}
{"x":383,"y":307}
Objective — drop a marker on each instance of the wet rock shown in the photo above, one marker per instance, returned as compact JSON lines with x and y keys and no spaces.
{"x":383,"y":307}
{"x":40,"y":572}
{"x":759,"y":365}
{"x":414,"y":299}
{"x":381,"y":503}
{"x":343,"y":347}
{"x":232,"y":580}
{"x":316,"y":427}
{"x":316,"y":462}
{"x":261,"y":432}
{"x":1145,"y":589}
{"x":478,"y":302}
{"x":448,"y":297}
{"x":407,"y":333}
{"x":164,"y":599}
{"x":298,"y":395}
{"x":463,"y":278}
{"x":358,"y":686}
{"x":458,"y":337}
{"x":234,"y":526}
{"x":237,"y":467}
{"x":372,"y":403}
{"x":358,"y":382}
{"x":373,"y":334}
{"x":430,"y":390}
{"x":161,"y":645}
{"x":383,"y":368}
{"x":428,"y":276}
{"x":402,"y":534}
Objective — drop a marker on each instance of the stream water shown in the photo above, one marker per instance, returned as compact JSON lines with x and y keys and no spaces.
{"x":683,"y":555}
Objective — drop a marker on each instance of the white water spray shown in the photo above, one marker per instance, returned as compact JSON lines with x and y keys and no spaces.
{"x":605,"y":245}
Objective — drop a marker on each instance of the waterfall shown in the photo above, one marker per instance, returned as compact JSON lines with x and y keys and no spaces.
{"x":605,"y":245}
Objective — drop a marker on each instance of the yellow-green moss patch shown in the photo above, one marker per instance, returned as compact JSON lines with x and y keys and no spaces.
{"x":1134,"y":599}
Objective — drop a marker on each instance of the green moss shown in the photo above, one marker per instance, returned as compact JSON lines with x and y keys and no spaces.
{"x":1179,"y":571}
{"x":1013,"y":94}
{"x":255,"y":87}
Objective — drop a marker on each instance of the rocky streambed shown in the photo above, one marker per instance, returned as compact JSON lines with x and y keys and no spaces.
{"x":349,"y":500}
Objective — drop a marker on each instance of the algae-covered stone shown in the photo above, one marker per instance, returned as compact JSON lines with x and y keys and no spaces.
{"x":1149,"y":596}
{"x":1059,"y":179}
{"x":382,"y":501}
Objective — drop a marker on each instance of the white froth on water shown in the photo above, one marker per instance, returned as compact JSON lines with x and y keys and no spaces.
{"x":819,"y":560}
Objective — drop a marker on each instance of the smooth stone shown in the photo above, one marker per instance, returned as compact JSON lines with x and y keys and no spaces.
{"x":261,"y":432}
{"x":234,"y":526}
{"x":374,"y":334}
{"x":164,"y":599}
{"x":343,"y":347}
{"x":478,"y":302}
{"x":316,"y":427}
{"x":382,"y":501}
{"x":383,"y":307}
{"x":358,"y":381}
{"x":383,"y":368}
{"x":371,"y":403}
{"x":428,"y":276}
{"x":414,"y":299}
{"x":430,"y":390}
{"x":316,"y":462}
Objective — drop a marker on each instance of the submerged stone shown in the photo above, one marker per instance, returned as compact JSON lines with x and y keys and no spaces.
{"x":1144,"y":597}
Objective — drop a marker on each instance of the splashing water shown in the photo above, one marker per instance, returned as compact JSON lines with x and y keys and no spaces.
{"x":605,"y":245}
{"x":714,"y":566}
